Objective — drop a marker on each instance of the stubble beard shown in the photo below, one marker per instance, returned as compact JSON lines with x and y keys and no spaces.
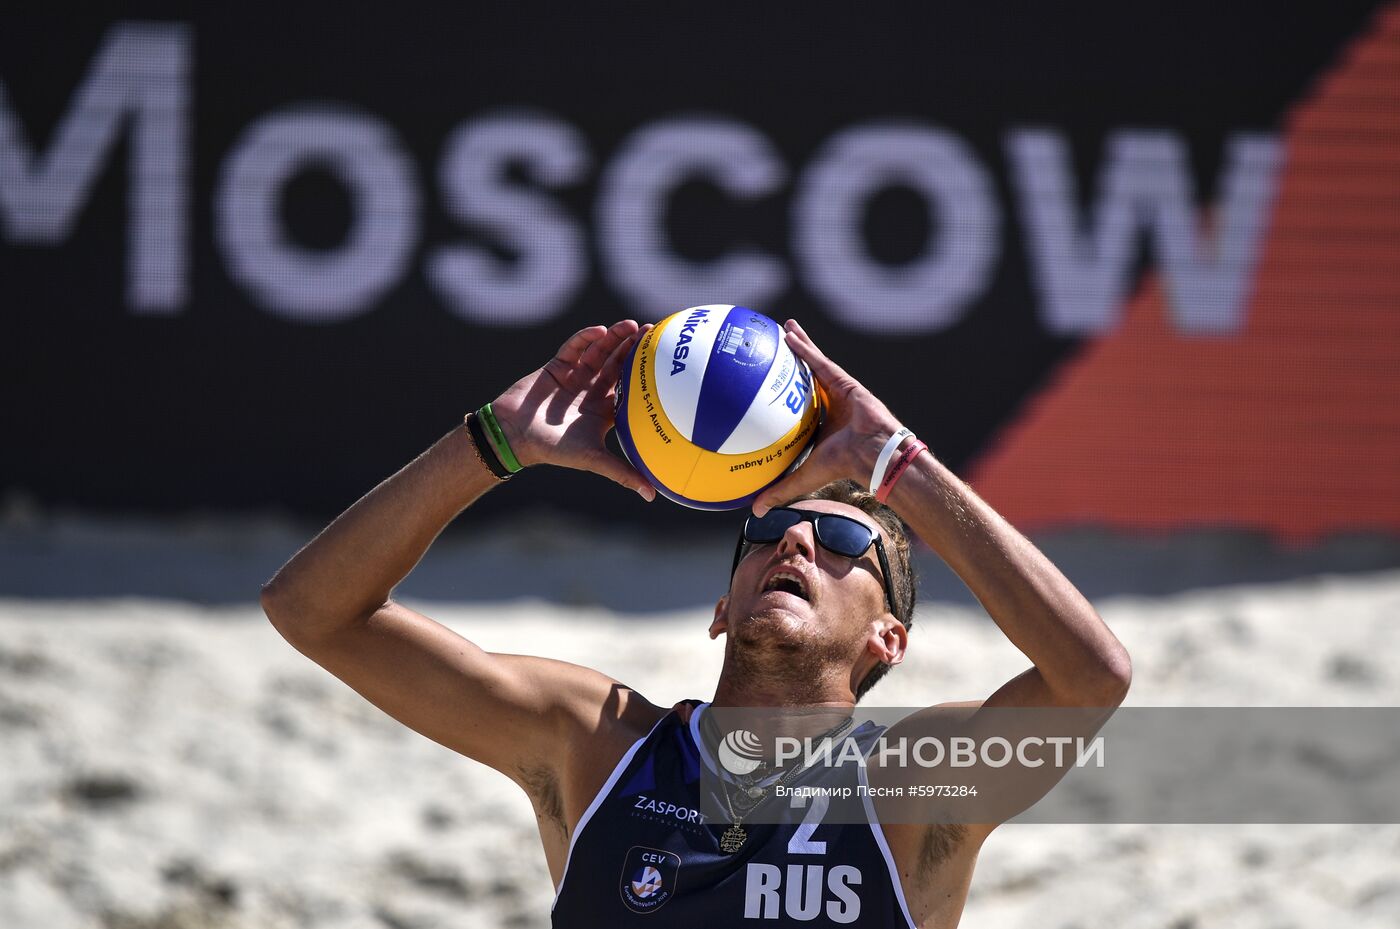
{"x":775,"y":651}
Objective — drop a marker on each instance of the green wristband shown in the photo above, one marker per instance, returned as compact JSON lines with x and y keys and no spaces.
{"x":498,"y":439}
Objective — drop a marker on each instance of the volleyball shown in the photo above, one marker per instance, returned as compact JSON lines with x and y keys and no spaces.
{"x":713,"y":406}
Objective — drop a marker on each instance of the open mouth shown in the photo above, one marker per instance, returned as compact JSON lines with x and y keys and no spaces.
{"x":788,"y":583}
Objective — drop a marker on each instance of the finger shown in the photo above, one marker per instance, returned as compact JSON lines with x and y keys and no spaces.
{"x":612,"y":368}
{"x":574,"y":347}
{"x":596,"y":355}
{"x":601,"y":395}
{"x":610,"y":466}
{"x":603,"y":386}
{"x":802,"y":345}
{"x":801,"y":481}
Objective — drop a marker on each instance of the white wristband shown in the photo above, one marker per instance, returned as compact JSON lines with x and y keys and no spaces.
{"x":886,"y":454}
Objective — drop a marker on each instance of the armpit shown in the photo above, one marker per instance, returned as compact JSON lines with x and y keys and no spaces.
{"x":940,"y":843}
{"x":542,"y":786}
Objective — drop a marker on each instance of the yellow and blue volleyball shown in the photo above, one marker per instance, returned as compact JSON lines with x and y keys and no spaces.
{"x":713,"y":406}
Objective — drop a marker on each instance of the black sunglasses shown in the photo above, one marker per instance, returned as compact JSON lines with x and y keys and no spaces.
{"x":835,"y":533}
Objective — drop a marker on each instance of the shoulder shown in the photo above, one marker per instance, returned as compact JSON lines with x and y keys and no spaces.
{"x":598,"y":720}
{"x":577,"y":704}
{"x":600,"y":732}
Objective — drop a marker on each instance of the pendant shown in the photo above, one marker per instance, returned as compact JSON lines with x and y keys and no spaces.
{"x":756,"y":792}
{"x":733,"y":839}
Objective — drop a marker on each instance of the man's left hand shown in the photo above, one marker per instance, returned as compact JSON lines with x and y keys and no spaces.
{"x":856,"y":428}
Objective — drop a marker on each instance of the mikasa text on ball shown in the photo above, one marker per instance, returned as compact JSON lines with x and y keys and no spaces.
{"x":713,"y":406}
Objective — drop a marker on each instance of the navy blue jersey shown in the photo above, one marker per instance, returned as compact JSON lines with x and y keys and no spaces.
{"x":644,"y":855}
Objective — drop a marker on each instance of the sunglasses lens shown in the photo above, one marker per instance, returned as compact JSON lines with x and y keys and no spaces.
{"x":843,"y":536}
{"x":770,"y":526}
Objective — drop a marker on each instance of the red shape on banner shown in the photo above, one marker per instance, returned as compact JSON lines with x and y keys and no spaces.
{"x":1291,"y":426}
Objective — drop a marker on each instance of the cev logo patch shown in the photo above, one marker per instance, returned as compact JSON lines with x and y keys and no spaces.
{"x":648,"y":878}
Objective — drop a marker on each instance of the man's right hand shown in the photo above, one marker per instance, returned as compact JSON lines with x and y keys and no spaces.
{"x":561,"y":413}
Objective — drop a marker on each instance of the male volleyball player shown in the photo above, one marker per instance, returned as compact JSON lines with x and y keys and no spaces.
{"x":818,"y":604}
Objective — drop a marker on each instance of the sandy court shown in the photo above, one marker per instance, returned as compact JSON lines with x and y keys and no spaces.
{"x":168,"y":765}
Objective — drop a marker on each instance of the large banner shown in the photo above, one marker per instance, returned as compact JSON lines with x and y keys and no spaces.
{"x":1118,"y":267}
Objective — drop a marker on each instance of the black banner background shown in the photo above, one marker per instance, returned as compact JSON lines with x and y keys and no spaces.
{"x":225,"y":406}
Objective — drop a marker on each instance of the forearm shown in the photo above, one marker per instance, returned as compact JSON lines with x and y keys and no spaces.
{"x":1033,"y":603}
{"x":348,"y":571}
{"x":1077,"y":659}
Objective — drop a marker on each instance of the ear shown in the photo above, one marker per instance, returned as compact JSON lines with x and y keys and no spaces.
{"x":888,"y":640}
{"x":721,"y":623}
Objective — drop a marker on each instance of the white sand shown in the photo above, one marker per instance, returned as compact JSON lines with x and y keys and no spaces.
{"x":170,"y":766}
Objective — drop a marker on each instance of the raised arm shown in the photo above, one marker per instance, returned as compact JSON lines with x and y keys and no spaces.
{"x":333,"y":602}
{"x":1076,"y":660}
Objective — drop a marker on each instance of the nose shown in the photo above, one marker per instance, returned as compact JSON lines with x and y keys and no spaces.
{"x":798,"y":538}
